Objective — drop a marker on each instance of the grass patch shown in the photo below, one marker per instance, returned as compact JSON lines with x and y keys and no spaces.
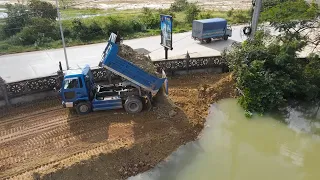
{"x":79,"y":13}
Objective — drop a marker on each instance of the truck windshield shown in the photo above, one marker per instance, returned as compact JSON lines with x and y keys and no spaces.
{"x":71,"y":83}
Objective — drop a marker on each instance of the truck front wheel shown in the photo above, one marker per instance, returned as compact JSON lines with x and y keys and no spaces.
{"x":133,"y":105}
{"x":225,"y":37}
{"x":83,"y":108}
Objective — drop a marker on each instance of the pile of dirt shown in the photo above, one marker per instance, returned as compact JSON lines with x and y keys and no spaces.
{"x":145,"y":63}
{"x":199,"y":92}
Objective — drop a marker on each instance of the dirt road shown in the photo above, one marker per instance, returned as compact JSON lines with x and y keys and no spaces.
{"x":45,"y":141}
{"x":138,"y":4}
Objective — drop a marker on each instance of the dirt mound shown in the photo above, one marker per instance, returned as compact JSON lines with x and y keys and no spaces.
{"x":202,"y":90}
{"x":145,"y":63}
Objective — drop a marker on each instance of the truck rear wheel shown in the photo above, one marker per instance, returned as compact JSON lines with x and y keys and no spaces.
{"x":133,"y":105}
{"x":83,"y":108}
{"x":208,"y":40}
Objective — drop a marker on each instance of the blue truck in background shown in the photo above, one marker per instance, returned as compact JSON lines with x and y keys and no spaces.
{"x":207,"y":29}
{"x":79,"y":90}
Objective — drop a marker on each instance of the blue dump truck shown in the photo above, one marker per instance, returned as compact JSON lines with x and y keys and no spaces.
{"x":79,"y":90}
{"x":207,"y":29}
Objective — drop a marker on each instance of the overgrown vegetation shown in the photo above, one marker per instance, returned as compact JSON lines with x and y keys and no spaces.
{"x":33,"y":26}
{"x":267,"y":69}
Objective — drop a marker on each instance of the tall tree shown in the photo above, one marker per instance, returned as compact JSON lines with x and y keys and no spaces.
{"x":18,"y":16}
{"x":42,"y":9}
{"x":296,"y":19}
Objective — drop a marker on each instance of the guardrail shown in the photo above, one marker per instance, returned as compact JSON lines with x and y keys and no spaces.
{"x":190,"y":63}
{"x":45,"y":84}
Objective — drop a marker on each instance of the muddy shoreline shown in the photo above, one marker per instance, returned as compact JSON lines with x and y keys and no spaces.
{"x":106,"y":145}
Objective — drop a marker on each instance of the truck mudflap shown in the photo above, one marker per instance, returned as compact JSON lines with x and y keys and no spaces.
{"x":128,"y":70}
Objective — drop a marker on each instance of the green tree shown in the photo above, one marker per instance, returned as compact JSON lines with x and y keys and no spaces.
{"x":267,"y":4}
{"x":192,"y":12}
{"x":295,"y":19}
{"x":269,"y":73}
{"x":312,"y":74}
{"x":42,"y":9}
{"x":18,"y":17}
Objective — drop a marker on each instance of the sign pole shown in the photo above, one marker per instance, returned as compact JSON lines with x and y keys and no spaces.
{"x":166,"y":33}
{"x":166,"y":52}
{"x":62,"y":36}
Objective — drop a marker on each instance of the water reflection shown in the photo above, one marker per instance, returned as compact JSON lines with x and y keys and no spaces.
{"x":234,"y":148}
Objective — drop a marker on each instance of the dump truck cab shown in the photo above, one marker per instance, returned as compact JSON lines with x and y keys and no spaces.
{"x":77,"y":86}
{"x":79,"y":90}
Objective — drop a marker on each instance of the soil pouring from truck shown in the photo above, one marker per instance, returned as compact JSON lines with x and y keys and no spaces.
{"x":207,"y":29}
{"x":79,"y":90}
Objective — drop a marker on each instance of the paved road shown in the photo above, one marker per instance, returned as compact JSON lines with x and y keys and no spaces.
{"x":17,"y":67}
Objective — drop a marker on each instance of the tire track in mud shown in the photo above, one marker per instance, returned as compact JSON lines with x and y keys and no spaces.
{"x":44,"y":142}
{"x":20,"y":116}
{"x":19,"y":124}
{"x":36,"y":147}
{"x":40,"y":126}
{"x":82,"y":155}
{"x":114,"y":142}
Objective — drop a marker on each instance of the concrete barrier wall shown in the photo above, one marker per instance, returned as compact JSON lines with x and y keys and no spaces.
{"x":40,"y":88}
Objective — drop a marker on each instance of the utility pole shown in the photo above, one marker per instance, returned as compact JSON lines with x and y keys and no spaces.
{"x":62,"y":36}
{"x":255,"y":18}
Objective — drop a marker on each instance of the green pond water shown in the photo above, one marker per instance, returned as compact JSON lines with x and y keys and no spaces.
{"x":232,"y":147}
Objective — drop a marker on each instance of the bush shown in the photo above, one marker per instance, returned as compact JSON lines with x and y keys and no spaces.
{"x":150,"y":20}
{"x":167,"y":12}
{"x":205,"y":15}
{"x":2,"y":33}
{"x":86,"y":32}
{"x":179,"y":5}
{"x":230,"y":12}
{"x":38,"y":30}
{"x":240,"y":16}
{"x":192,"y":12}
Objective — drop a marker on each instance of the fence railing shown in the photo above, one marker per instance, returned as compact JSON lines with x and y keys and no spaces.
{"x":190,"y":63}
{"x":48,"y":83}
